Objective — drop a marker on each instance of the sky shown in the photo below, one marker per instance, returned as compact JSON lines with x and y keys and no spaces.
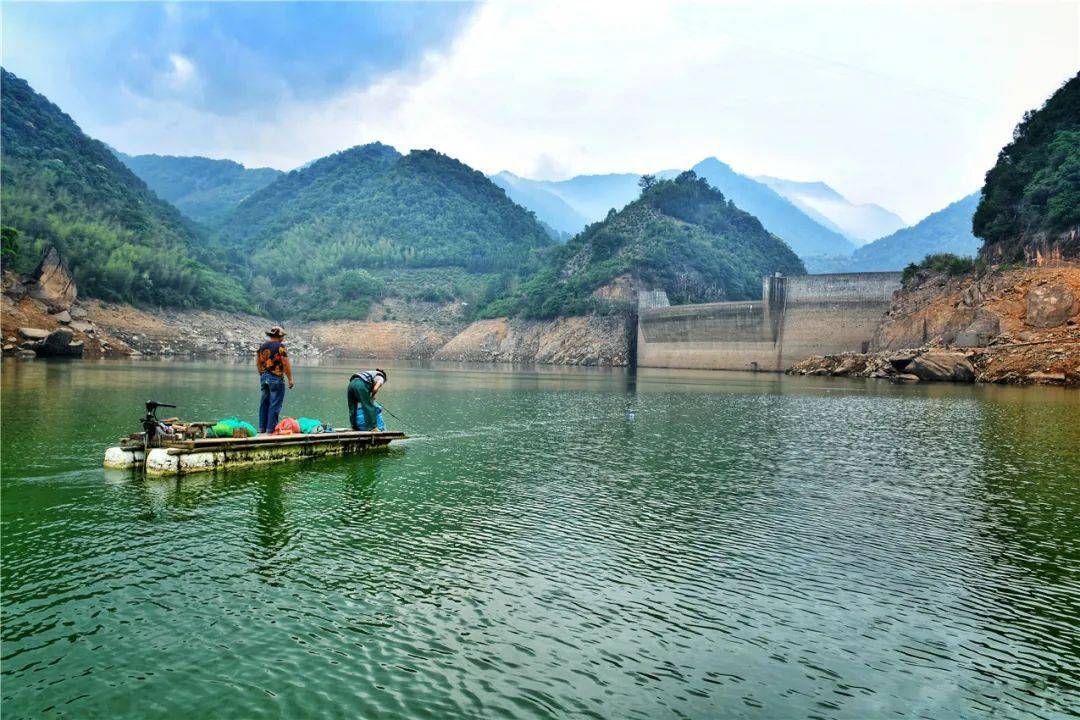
{"x":903,"y":104}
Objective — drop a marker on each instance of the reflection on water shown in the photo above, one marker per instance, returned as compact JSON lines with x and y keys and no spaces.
{"x":552,"y":542}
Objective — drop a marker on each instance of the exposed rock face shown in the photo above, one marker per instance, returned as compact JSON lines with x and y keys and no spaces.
{"x":53,"y":284}
{"x":391,"y":339}
{"x":564,"y":341}
{"x":13,"y":286}
{"x":1050,"y":305}
{"x":974,"y":311}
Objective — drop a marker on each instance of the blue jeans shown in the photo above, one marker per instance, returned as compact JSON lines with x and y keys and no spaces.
{"x":273,"y":395}
{"x":361,"y":421}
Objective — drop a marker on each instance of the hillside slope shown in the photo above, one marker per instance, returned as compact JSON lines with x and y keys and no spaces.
{"x":329,"y":239}
{"x":65,"y":189}
{"x":681,"y":235}
{"x":203,"y":189}
{"x":1031,"y":197}
{"x":859,"y":222}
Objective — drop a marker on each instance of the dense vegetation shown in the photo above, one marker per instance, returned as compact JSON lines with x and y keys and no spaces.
{"x":203,"y":189}
{"x":947,"y":263}
{"x":65,"y":189}
{"x":314,"y":242}
{"x":1035,"y":185}
{"x":681,"y":235}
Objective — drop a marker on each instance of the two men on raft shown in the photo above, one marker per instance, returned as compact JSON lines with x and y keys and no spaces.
{"x":272,"y":362}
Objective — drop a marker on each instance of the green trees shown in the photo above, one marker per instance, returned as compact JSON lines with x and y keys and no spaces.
{"x":681,"y":235}
{"x":369,"y":222}
{"x":121,"y":242}
{"x":1035,"y":185}
{"x":203,"y":189}
{"x":941,"y":262}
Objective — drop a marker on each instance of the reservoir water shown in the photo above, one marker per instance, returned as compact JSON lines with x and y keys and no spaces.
{"x":551,"y":543}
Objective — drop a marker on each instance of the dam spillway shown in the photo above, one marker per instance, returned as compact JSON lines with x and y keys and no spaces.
{"x":798,"y":316}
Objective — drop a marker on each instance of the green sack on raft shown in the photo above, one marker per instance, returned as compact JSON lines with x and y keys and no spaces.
{"x":227,"y":427}
{"x":309,"y":426}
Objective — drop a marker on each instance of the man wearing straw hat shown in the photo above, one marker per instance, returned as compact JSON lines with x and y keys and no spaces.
{"x":272,"y":361}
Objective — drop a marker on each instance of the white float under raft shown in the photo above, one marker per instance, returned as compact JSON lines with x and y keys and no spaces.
{"x":180,"y":457}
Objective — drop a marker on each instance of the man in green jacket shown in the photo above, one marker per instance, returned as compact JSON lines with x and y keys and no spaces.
{"x":364,"y":412}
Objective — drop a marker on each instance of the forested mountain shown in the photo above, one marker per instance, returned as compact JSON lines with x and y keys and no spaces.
{"x":65,"y":189}
{"x":946,"y":231}
{"x":860,"y":223}
{"x":681,"y":235}
{"x":1035,"y":185}
{"x":203,"y":189}
{"x":777,"y":214}
{"x":326,"y":240}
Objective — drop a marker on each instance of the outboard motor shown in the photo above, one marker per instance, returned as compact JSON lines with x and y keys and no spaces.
{"x":151,"y":424}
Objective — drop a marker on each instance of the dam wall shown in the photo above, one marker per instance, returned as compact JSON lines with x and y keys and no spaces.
{"x":796,"y":317}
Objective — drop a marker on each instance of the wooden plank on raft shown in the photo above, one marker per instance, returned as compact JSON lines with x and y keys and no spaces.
{"x":282,"y":439}
{"x":226,"y":444}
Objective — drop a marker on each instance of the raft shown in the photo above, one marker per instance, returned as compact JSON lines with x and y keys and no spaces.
{"x":180,"y":457}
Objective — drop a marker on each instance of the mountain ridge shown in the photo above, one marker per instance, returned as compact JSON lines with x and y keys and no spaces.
{"x":203,"y":189}
{"x":681,"y":235}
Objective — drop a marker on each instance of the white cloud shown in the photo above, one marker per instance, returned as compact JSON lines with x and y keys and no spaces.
{"x":902,"y":105}
{"x":181,"y":71}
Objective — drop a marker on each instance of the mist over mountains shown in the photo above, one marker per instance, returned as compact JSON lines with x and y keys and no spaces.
{"x":860,"y":223}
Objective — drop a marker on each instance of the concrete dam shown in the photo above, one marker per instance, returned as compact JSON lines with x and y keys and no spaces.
{"x":797,"y":317}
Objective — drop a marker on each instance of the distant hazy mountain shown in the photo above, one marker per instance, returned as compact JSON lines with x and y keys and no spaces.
{"x":947,"y":230}
{"x":570,"y":205}
{"x":860,"y":223}
{"x":203,"y":189}
{"x":550,"y":209}
{"x":778,"y":214}
{"x":591,"y":197}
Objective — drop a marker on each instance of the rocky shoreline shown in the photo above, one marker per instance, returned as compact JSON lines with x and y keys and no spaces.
{"x":987,"y":365}
{"x":1019,"y":326}
{"x":1007,"y":325}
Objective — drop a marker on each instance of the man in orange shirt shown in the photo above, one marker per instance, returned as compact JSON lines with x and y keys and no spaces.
{"x":272,"y":361}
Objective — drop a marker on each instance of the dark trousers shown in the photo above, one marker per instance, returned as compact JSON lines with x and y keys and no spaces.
{"x":273,"y":395}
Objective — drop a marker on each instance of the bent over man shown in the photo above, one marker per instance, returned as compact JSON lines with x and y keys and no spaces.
{"x":272,"y":361}
{"x":364,"y":412}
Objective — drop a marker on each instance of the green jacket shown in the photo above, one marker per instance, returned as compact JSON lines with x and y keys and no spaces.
{"x":360,"y":396}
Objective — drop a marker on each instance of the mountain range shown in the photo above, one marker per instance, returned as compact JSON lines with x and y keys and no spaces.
{"x":345,"y":231}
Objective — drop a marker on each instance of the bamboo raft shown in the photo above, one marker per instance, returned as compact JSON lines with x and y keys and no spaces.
{"x":183,"y":456}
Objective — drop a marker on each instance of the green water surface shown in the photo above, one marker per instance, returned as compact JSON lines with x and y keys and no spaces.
{"x":551,"y":543}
